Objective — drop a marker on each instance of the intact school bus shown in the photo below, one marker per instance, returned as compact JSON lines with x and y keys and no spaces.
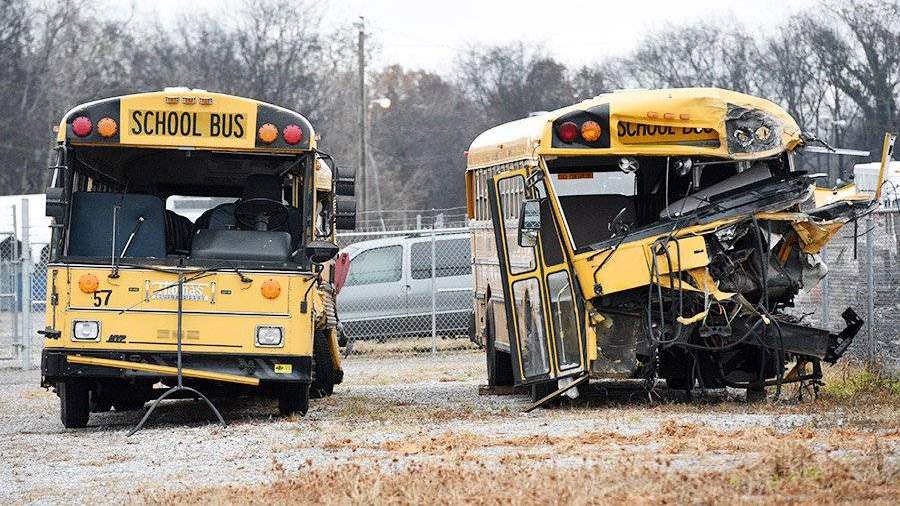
{"x":650,"y":234}
{"x":240,"y":301}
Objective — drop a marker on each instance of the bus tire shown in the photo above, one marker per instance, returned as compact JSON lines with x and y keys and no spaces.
{"x":74,"y":403}
{"x":323,"y":367}
{"x":294,"y":398}
{"x":499,"y":364}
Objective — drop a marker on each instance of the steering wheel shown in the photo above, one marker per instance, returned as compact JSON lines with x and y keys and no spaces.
{"x":261,"y":214}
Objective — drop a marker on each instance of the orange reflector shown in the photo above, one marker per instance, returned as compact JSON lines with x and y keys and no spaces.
{"x":268,"y":133}
{"x":652,"y":115}
{"x":189,"y":100}
{"x":171,"y":100}
{"x":270,"y":289}
{"x":590,"y":131}
{"x":88,"y":283}
{"x":669,"y":115}
{"x":684,"y":116}
{"x":205,"y":101}
{"x":107,"y":127}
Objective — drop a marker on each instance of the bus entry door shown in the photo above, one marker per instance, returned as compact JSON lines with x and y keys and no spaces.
{"x":545,"y":334}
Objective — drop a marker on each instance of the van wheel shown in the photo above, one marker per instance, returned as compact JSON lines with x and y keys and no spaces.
{"x":294,"y":398}
{"x":323,"y":368}
{"x":74,"y":403}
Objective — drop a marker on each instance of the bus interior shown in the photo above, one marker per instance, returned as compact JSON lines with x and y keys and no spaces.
{"x":118,"y":195}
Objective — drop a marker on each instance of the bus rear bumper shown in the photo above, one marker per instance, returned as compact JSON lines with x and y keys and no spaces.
{"x":56,"y":367}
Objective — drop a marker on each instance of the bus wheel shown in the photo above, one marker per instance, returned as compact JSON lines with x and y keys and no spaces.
{"x":74,"y":402}
{"x":323,"y":368}
{"x":294,"y":398}
{"x":499,"y":364}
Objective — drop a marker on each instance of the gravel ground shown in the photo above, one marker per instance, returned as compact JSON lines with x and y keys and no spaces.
{"x":391,"y":413}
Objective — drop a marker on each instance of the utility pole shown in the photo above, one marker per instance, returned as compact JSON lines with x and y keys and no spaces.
{"x":363,"y":177}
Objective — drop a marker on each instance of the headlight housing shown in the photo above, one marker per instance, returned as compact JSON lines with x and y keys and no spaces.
{"x":272,"y":337}
{"x":86,"y":330}
{"x":751,"y":130}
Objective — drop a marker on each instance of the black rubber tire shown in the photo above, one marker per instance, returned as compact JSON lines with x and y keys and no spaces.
{"x":755,"y":395}
{"x":323,"y":367}
{"x":294,"y":398}
{"x":74,"y":402}
{"x":499,"y":364}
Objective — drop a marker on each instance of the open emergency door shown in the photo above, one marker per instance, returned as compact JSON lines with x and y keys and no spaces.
{"x":542,"y":313}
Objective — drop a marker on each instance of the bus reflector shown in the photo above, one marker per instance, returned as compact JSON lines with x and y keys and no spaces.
{"x":82,"y":126}
{"x":268,"y":133}
{"x":292,"y":134}
{"x":590,"y":131}
{"x":107,"y":127}
{"x":270,"y":289}
{"x":568,"y":131}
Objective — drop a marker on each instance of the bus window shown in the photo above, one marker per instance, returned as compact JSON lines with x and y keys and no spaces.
{"x":530,"y":326}
{"x":562,"y":314}
{"x":510,"y":191}
{"x":591,"y":198}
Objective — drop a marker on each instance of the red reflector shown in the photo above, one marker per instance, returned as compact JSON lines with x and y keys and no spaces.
{"x":568,"y":131}
{"x":292,"y":134}
{"x":82,"y":126}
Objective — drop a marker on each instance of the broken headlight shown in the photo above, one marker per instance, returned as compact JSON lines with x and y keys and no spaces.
{"x":751,"y":130}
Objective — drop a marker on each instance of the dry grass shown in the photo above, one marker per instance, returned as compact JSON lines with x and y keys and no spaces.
{"x":846,"y":450}
{"x":789,"y":473}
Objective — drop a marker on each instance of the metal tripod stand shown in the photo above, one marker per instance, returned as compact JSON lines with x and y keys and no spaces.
{"x":179,"y":387}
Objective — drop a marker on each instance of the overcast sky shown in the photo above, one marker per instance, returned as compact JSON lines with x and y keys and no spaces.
{"x":427,"y":34}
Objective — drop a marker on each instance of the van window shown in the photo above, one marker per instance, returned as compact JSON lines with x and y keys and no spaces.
{"x":379,"y":265}
{"x":451,"y":258}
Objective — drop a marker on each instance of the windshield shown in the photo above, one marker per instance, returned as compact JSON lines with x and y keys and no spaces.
{"x":645,"y":190}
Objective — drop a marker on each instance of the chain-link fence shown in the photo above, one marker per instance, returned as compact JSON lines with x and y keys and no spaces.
{"x":407,"y":291}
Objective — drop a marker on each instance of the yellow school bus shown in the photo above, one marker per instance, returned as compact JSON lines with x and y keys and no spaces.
{"x":650,"y":234}
{"x":237,"y":301}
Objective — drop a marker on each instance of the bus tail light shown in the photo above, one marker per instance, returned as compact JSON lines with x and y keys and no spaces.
{"x":268,"y":133}
{"x":292,"y":134}
{"x":107,"y":127}
{"x":82,"y":126}
{"x":568,"y":131}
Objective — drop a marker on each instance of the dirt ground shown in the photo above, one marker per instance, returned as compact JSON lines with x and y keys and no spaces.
{"x":414,"y":429}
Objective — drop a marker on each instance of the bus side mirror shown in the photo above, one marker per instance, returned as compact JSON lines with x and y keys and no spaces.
{"x":319,"y":252}
{"x":345,"y":213}
{"x":56,"y":204}
{"x":345,"y":182}
{"x":529,"y":222}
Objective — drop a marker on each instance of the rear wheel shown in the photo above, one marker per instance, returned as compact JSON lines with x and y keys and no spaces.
{"x":323,"y":367}
{"x":294,"y":398}
{"x":499,"y":364}
{"x":74,"y":401}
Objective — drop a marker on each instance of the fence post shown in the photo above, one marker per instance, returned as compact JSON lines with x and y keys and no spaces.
{"x":12,"y":280}
{"x":27,"y":330}
{"x":433,"y":294}
{"x":870,"y":290}
{"x":826,"y":304}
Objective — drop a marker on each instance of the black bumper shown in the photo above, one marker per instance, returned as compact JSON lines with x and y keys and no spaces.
{"x":54,"y":365}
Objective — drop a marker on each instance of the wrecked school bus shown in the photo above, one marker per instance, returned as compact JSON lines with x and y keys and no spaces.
{"x":650,"y":234}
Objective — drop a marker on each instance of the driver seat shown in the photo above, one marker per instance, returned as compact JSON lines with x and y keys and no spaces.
{"x":265,"y":186}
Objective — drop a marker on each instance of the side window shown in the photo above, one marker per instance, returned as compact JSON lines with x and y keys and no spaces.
{"x":510,"y":191}
{"x":451,"y":258}
{"x":379,"y":265}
